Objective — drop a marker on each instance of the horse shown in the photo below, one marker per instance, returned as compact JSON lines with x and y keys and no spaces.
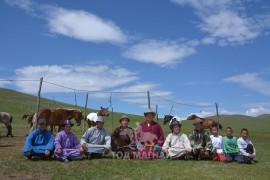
{"x":57,"y":117}
{"x":206,"y":122}
{"x":6,"y":118}
{"x":92,"y":117}
{"x":170,"y":118}
{"x":29,"y":118}
{"x":167,"y":118}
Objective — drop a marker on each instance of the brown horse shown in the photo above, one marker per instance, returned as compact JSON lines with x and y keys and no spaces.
{"x":57,"y":116}
{"x":207,"y":123}
{"x":91,"y":118}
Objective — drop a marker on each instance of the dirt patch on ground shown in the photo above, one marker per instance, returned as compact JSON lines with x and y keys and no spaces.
{"x":12,"y":145}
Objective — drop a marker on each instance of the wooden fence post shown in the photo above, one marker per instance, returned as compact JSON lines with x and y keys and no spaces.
{"x":85,"y":108}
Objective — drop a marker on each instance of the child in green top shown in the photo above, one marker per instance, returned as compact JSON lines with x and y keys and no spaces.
{"x":230,"y":147}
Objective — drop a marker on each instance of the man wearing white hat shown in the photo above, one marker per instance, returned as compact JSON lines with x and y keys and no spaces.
{"x":96,"y":141}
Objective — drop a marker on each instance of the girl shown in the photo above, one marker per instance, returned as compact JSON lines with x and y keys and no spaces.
{"x":217,"y":144}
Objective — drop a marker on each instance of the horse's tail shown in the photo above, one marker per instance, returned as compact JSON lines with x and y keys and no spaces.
{"x":220,"y":126}
{"x":10,"y":119}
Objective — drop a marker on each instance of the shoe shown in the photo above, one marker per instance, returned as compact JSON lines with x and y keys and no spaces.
{"x":36,"y":158}
{"x":73,"y":158}
{"x":252,"y":162}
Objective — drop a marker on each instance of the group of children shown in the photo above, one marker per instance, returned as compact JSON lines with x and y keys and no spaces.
{"x":229,"y":148}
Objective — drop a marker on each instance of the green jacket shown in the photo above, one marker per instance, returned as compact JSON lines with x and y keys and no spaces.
{"x":200,"y":139}
{"x":230,"y":145}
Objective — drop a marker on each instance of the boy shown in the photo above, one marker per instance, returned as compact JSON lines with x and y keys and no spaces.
{"x":246,"y":147}
{"x":230,"y":147}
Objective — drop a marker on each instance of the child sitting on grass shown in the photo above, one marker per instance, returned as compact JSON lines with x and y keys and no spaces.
{"x":246,"y":147}
{"x":217,"y":145}
{"x":230,"y":147}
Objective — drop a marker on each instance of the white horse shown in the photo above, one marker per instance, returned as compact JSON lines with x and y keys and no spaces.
{"x":6,"y":118}
{"x":175,"y":118}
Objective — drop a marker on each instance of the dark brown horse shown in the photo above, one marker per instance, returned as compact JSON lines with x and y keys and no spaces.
{"x":92,"y":117}
{"x":57,"y":116}
{"x":207,"y":123}
{"x":167,"y":118}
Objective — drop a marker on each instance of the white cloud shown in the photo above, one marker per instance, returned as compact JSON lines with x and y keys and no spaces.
{"x":227,"y":20}
{"x":257,"y":111}
{"x":90,"y":78}
{"x":251,"y":81}
{"x":77,"y":24}
{"x":26,"y":5}
{"x":141,"y":98}
{"x":163,"y":53}
{"x":83,"y":26}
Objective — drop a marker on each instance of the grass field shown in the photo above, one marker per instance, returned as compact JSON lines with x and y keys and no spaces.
{"x":15,"y":166}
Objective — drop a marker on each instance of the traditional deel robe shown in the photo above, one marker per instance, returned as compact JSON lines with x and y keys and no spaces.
{"x":149,"y":139}
{"x":123,"y":139}
{"x":69,"y":144}
{"x":37,"y":143}
{"x":200,"y":139}
{"x":177,"y":144}
{"x":96,"y":140}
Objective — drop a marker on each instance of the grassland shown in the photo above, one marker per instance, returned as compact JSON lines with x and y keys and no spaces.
{"x":15,"y":166}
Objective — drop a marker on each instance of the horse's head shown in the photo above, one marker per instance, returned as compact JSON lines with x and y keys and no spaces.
{"x":167,"y":118}
{"x":103,"y":112}
{"x":78,"y":116}
{"x":192,"y":117}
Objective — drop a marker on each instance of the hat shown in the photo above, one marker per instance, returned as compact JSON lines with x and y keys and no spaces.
{"x":175,"y":122}
{"x":197,"y":120}
{"x":124,"y":117}
{"x":42,"y":121}
{"x":149,"y":111}
{"x":100,"y":119}
{"x":67,"y":122}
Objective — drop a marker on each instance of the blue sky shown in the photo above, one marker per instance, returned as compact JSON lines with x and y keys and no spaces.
{"x":188,"y":54}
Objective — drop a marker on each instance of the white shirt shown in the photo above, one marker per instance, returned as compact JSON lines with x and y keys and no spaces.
{"x":217,"y":143}
{"x":242,"y":144}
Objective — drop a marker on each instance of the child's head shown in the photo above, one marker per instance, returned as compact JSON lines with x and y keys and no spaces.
{"x":176,"y":127}
{"x":244,"y":133}
{"x":214,"y":130}
{"x":228,"y":131}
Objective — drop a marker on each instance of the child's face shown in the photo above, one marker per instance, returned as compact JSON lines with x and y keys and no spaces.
{"x":228,"y":132}
{"x":176,"y":129}
{"x":214,"y":131}
{"x":244,"y":134}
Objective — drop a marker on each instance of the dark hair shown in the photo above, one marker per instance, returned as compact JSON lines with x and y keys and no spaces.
{"x":244,"y":129}
{"x":228,"y":128}
{"x":214,"y":127}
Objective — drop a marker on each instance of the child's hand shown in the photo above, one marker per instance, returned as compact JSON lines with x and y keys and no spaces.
{"x":251,"y":156}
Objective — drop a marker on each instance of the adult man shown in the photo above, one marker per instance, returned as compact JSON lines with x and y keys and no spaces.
{"x":94,"y":138}
{"x":176,"y":145}
{"x":67,"y":146}
{"x":39,"y":143}
{"x":149,"y":137}
{"x":200,"y":142}
{"x":123,"y":139}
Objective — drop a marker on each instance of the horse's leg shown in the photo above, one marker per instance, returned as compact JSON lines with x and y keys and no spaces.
{"x":9,"y":128}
